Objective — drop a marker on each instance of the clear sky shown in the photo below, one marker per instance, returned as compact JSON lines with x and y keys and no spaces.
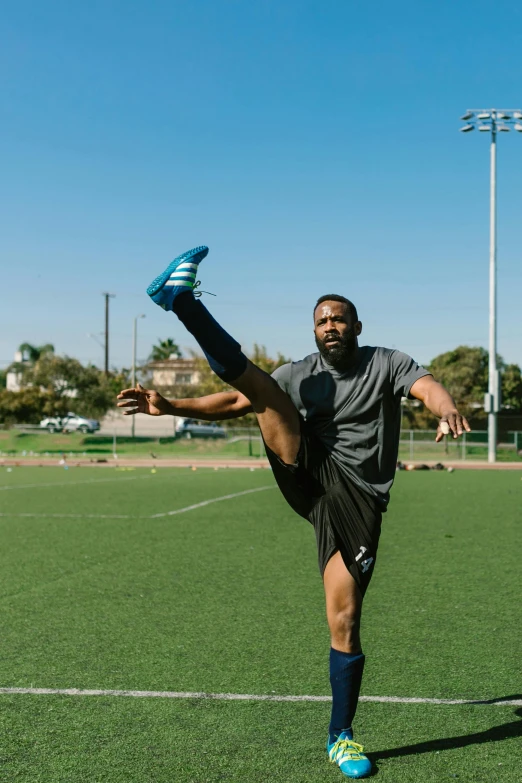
{"x":314,"y":146}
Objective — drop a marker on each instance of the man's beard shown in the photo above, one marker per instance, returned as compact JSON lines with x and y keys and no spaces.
{"x":339,"y":354}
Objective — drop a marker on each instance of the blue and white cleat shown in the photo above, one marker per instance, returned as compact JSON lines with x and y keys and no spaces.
{"x":179,"y":276}
{"x":349,"y":756}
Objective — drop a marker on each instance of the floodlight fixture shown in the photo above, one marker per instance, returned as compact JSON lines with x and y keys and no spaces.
{"x":484,"y":128}
{"x":467,"y":116}
{"x":517,"y":115}
{"x":502,"y":115}
{"x":467,"y":128}
{"x":503,"y":128}
{"x":484,"y":115}
{"x":518,"y":127}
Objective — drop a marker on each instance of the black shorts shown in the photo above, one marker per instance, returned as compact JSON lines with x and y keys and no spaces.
{"x":345,"y":518}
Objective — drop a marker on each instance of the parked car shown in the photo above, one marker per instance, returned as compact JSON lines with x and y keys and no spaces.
{"x":190,"y":428}
{"x":70,"y":423}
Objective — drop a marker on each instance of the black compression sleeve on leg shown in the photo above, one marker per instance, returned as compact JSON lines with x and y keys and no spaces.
{"x":346,"y":670}
{"x":223,"y":353}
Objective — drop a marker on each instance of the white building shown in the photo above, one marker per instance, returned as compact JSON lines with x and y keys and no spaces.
{"x":13,"y":379}
{"x":169,"y":374}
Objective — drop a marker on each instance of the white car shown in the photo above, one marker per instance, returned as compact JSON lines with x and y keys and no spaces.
{"x":70,"y":423}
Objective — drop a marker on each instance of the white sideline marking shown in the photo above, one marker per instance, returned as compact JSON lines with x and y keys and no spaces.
{"x":71,"y":516}
{"x":415,"y":700}
{"x":208,"y":502}
{"x":72,"y":483}
{"x":245,"y":696}
{"x":128,"y":516}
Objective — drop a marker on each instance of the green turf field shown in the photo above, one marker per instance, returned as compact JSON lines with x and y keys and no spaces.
{"x":98,"y":593}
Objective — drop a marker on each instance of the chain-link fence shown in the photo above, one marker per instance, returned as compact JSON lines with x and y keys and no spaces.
{"x":250,"y":437}
{"x":240,"y":442}
{"x":420,"y":445}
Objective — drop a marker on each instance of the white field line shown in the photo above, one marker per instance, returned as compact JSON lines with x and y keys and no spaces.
{"x":246,"y":696}
{"x":128,"y":516}
{"x":29,"y":515}
{"x":5,"y":487}
{"x":211,"y":500}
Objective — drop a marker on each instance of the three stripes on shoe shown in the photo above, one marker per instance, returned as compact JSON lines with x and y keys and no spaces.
{"x":184,"y":275}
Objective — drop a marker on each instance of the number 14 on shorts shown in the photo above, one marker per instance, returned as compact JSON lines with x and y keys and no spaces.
{"x":365,"y":564}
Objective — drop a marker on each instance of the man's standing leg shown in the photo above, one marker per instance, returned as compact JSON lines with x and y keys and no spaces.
{"x":343,"y":611}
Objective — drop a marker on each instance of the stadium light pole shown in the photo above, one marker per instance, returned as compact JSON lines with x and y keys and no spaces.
{"x":133,"y":372}
{"x":492,"y":121}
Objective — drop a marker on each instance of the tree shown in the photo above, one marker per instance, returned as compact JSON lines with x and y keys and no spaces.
{"x":260,"y":357}
{"x":164,"y":350}
{"x":210,"y":383}
{"x":512,"y":388}
{"x":464,"y":373}
{"x":31,"y":353}
{"x":65,"y":379}
{"x":54,"y":385}
{"x":27,"y":406}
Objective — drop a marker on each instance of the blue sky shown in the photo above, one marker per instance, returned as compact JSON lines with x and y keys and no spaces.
{"x":314,"y":147}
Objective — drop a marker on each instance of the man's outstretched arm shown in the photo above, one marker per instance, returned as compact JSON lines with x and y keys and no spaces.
{"x":441,"y":404}
{"x":214,"y":407}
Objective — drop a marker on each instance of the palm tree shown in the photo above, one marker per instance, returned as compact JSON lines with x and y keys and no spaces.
{"x":165,"y":349}
{"x":31,"y":353}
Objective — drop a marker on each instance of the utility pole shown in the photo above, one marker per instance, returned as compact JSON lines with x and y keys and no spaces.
{"x":133,"y":371}
{"x":107,"y":297}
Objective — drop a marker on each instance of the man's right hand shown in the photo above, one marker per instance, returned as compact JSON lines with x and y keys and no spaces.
{"x":140,"y":400}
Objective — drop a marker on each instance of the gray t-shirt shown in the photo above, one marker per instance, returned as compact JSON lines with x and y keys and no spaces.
{"x":356,"y":414}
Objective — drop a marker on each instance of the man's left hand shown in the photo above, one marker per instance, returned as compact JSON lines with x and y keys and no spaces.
{"x":452,"y":424}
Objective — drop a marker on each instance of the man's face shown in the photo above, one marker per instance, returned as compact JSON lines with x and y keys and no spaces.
{"x":335,"y":332}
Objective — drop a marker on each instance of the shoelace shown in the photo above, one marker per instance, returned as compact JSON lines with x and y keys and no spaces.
{"x":197,"y":294}
{"x":348,"y":748}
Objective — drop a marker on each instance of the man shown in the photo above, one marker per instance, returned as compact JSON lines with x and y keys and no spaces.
{"x":331,"y":426}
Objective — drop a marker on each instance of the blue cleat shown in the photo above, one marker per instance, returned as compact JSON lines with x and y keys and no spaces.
{"x":179,"y":276}
{"x":349,"y":756}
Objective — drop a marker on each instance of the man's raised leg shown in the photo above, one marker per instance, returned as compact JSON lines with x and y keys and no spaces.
{"x":277,"y":416}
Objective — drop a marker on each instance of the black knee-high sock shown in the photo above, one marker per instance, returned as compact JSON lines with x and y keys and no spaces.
{"x":223,"y":353}
{"x":346,"y":670}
